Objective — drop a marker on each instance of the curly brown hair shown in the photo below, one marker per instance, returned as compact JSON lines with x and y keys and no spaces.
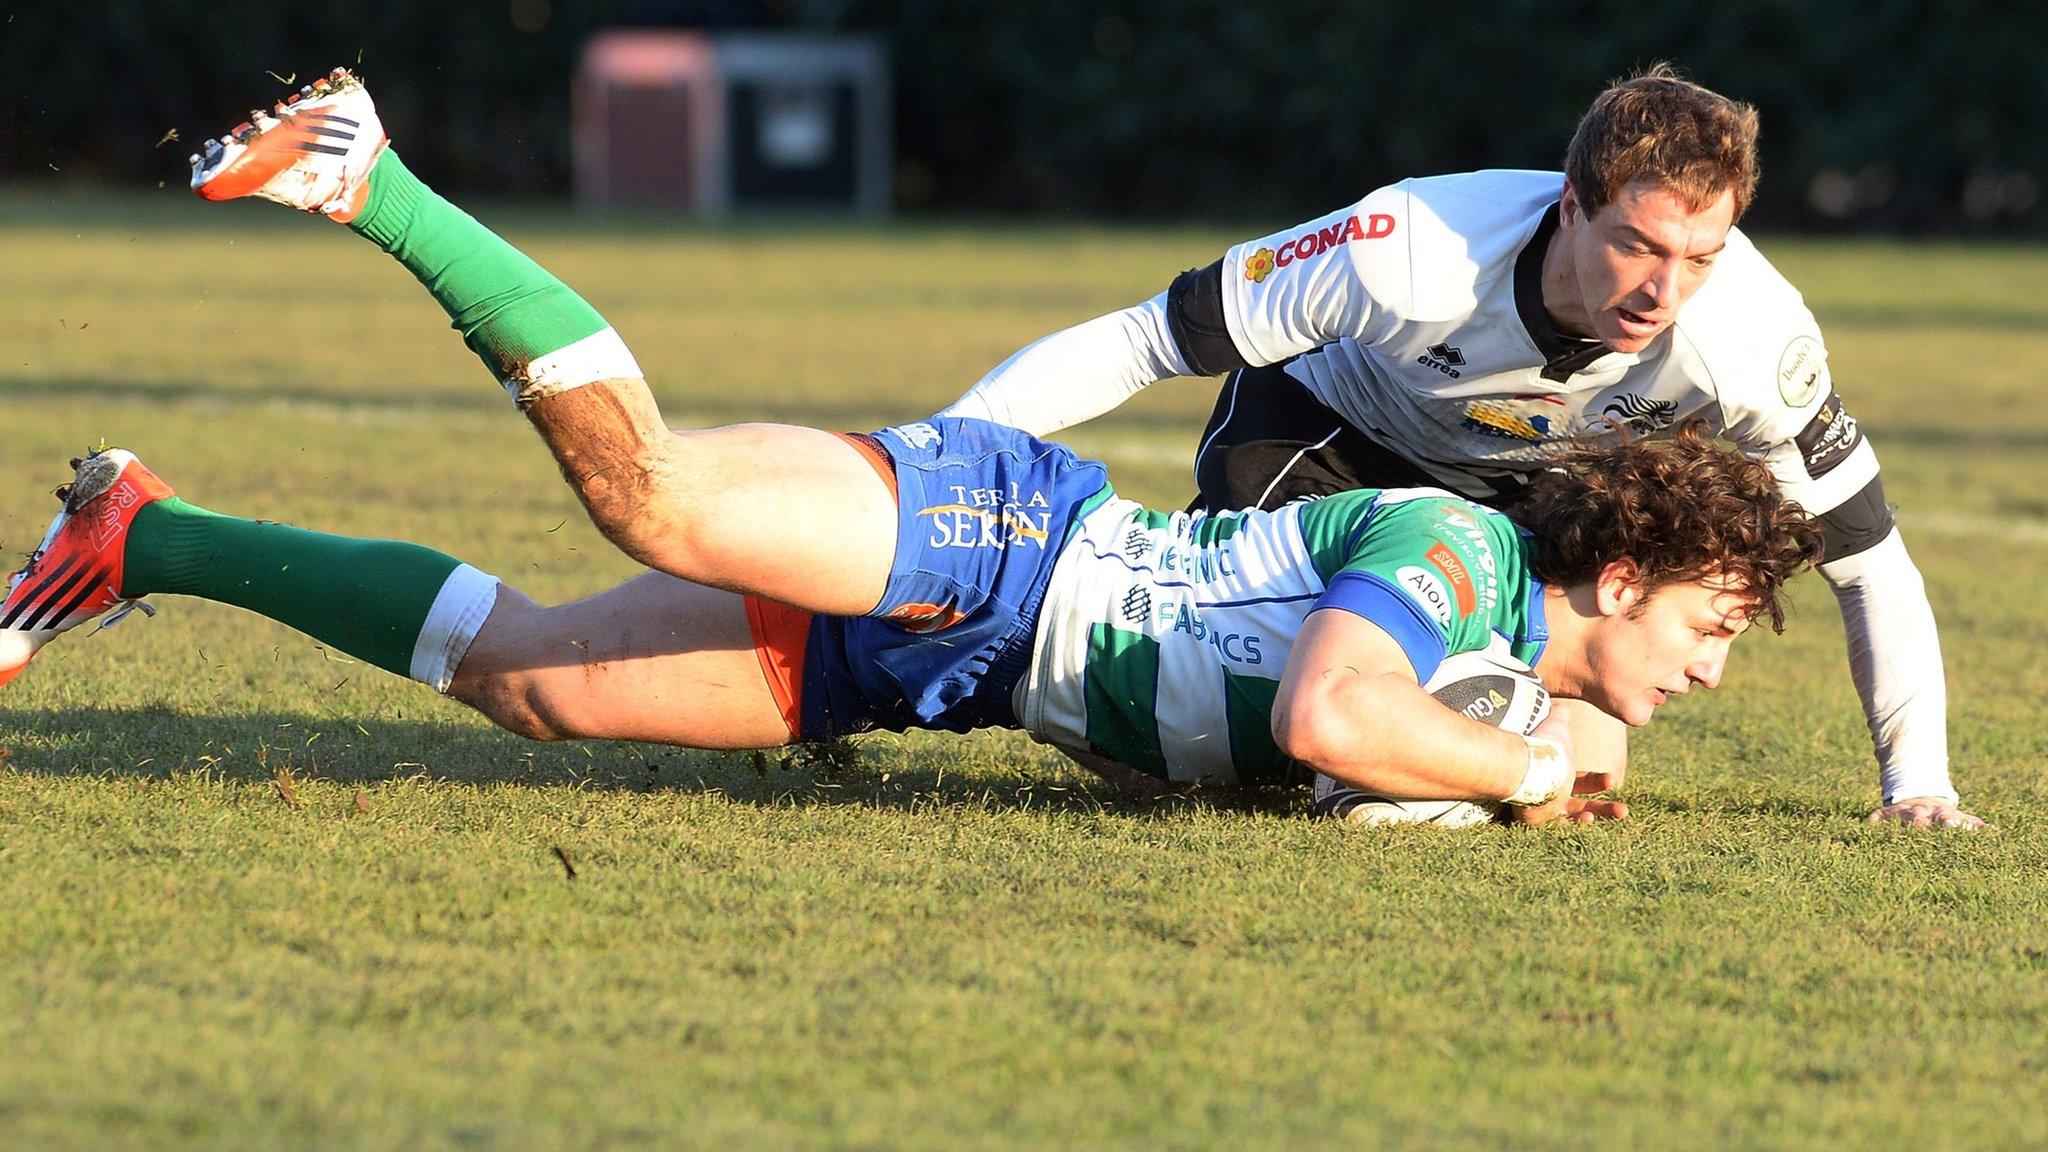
{"x":1659,"y":126}
{"x":1682,"y":509}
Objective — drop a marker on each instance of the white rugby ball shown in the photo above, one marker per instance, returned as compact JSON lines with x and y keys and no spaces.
{"x":1490,"y":689}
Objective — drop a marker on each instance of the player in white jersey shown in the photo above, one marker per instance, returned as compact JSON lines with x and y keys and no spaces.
{"x":946,"y":574}
{"x":1453,"y":330}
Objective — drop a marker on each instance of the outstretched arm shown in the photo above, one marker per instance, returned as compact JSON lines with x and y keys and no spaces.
{"x":1894,"y":647}
{"x":1895,"y":660}
{"x":1078,"y":373}
{"x":1818,"y":453}
{"x":1264,"y":301}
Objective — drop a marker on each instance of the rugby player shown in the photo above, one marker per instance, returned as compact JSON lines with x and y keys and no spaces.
{"x":1451,"y":330}
{"x":947,"y":574}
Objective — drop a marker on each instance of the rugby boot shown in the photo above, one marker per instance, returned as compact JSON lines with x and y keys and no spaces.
{"x":312,"y":151}
{"x":75,"y":574}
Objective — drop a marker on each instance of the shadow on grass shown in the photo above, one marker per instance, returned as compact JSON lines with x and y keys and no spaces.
{"x":875,"y":771}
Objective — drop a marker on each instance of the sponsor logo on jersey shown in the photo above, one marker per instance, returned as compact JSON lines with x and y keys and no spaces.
{"x":989,"y":518}
{"x":1446,"y":561}
{"x":1498,"y":418}
{"x":918,"y":436}
{"x":1802,"y":369}
{"x":1443,"y":358}
{"x":1137,"y":542}
{"x":1373,"y":226}
{"x":1426,"y":590}
{"x":1640,"y":413}
{"x":1201,"y":564}
{"x":1468,"y":537}
{"x":1828,"y":438}
{"x":1236,"y":647}
{"x":1137,"y":604}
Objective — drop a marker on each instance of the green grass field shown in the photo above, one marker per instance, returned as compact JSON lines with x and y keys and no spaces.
{"x":253,"y":895}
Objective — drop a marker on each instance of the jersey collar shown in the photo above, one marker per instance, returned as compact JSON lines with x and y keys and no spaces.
{"x":1562,"y":354}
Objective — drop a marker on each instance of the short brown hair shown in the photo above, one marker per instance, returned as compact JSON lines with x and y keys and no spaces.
{"x":1661,"y":127}
{"x":1682,"y":509}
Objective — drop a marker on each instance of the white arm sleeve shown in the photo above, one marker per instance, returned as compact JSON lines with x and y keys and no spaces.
{"x":1079,"y":373}
{"x":1895,"y":659}
{"x":1779,"y":403}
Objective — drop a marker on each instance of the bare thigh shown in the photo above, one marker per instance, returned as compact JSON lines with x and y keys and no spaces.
{"x":793,"y":514}
{"x":656,"y":659}
{"x":775,"y":510}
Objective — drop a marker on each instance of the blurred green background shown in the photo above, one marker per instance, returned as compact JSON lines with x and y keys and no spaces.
{"x":1896,"y":115}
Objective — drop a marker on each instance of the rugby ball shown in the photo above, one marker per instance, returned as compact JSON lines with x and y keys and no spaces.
{"x":1490,"y":689}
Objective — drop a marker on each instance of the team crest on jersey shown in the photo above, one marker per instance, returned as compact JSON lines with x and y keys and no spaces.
{"x":1369,"y":226}
{"x":1802,"y":369}
{"x":1640,"y":413}
{"x":1428,"y":592}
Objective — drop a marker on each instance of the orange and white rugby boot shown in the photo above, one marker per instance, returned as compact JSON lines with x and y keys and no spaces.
{"x":312,"y":151}
{"x":75,"y":574}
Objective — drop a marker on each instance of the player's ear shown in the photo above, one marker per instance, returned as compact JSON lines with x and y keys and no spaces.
{"x":1568,"y":204}
{"x":1619,"y":587}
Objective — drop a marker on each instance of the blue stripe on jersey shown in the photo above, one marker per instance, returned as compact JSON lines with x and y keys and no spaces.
{"x":1536,"y":621}
{"x":1373,"y":598}
{"x":1252,"y":600}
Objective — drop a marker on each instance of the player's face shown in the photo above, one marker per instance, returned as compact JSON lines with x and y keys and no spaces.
{"x":1638,"y":260}
{"x":1653,"y":645}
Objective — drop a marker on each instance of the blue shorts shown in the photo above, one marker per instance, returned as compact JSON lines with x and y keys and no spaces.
{"x":982,"y":511}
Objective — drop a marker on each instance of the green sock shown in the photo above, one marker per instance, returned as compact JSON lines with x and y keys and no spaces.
{"x":515,"y":316}
{"x":406,"y":609}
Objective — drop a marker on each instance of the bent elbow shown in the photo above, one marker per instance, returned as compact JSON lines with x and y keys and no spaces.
{"x":1304,"y":735}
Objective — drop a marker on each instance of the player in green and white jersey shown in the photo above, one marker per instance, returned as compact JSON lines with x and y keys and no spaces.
{"x":948,"y":574}
{"x":1164,"y":637}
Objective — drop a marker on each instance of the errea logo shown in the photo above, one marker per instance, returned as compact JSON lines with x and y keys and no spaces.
{"x":1444,"y":358}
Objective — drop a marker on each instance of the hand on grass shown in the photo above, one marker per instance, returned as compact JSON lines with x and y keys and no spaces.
{"x":1927,"y":812}
{"x":1581,"y":805}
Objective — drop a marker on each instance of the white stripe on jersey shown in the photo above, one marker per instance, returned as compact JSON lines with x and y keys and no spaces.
{"x":1232,"y":606}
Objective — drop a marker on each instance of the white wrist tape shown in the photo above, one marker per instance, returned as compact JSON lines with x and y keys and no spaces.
{"x":1550,"y":773}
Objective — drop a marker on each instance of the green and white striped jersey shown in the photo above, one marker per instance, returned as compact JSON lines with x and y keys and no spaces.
{"x":1164,"y":635}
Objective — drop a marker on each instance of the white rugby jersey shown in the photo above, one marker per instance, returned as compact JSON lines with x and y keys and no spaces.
{"x":1417,"y":315}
